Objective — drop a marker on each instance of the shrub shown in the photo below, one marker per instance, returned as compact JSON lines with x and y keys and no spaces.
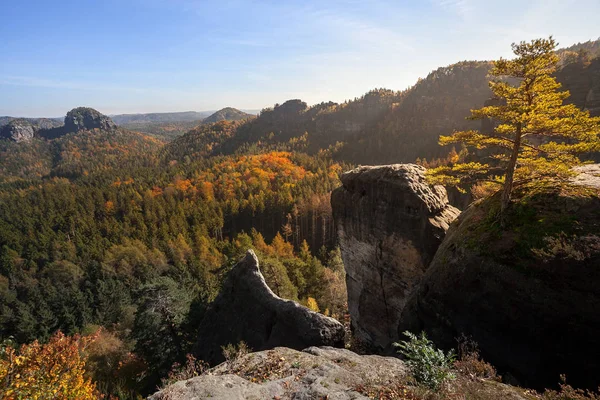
{"x":470,"y":362}
{"x":430,"y":367}
{"x":567,"y":392}
{"x":233,"y":353}
{"x":192,"y":368}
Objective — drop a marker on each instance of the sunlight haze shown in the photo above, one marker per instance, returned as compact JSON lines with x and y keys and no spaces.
{"x":177,"y":55}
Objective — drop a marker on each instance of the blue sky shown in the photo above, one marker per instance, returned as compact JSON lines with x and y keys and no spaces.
{"x":123,"y":56}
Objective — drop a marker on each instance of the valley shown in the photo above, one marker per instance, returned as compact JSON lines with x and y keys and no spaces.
{"x":129,"y":230}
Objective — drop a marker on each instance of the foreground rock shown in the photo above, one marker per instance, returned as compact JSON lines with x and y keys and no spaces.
{"x":314,"y":373}
{"x":528,"y":295}
{"x":18,"y":130}
{"x":247,"y":310}
{"x":390,"y":223}
{"x":319,"y":373}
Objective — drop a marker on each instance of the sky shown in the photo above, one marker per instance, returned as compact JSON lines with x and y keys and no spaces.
{"x":128,"y":56}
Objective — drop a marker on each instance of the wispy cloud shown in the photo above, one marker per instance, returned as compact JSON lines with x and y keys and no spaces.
{"x":31,"y":81}
{"x":463,"y":8}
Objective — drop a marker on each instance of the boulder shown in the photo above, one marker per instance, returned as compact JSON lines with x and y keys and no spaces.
{"x":318,"y":373}
{"x":247,"y":310}
{"x":18,"y":130}
{"x":528,"y":294}
{"x":84,"y":118}
{"x":390,"y":223}
{"x":315,"y":373}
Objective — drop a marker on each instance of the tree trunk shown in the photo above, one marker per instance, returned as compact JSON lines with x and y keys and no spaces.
{"x":510,"y":174}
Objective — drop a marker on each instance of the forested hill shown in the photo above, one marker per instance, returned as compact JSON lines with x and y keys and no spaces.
{"x":186,"y":116}
{"x":227,"y":114}
{"x":382,"y":126}
{"x":102,"y":226}
{"x":87,"y":142}
{"x":42,"y":123}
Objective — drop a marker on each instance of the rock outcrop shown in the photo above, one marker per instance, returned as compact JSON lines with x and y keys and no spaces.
{"x":315,"y":373}
{"x":247,"y":310}
{"x":390,"y":223}
{"x":84,"y":118}
{"x":529,"y":295}
{"x":18,"y":130}
{"x":318,"y":373}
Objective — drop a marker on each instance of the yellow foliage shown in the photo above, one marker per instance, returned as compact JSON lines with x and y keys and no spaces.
{"x":55,"y":370}
{"x":311,"y":303}
{"x":537,"y":139}
{"x":281,"y":247}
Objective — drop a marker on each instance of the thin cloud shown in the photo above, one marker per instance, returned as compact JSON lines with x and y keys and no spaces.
{"x":29,"y":81}
{"x":463,"y":8}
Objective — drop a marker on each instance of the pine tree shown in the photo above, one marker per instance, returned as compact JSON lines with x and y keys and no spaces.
{"x":537,"y":140}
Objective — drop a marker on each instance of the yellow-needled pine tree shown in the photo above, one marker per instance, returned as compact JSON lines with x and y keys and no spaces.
{"x":536,"y":139}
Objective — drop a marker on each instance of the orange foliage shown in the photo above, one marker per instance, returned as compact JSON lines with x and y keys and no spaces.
{"x":254,"y":174}
{"x":109,"y":206}
{"x":156,"y":191}
{"x":207,"y":191}
{"x":182,"y":184}
{"x":54,"y":370}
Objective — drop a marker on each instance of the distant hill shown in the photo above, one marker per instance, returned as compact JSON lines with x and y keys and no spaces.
{"x":169,"y":130}
{"x":382,"y":126}
{"x":41,"y":123}
{"x":186,"y":116}
{"x":165,"y":131}
{"x":227,"y":114}
{"x":87,"y":142}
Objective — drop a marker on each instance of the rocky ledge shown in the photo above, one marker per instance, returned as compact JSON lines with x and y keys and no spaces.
{"x":247,"y":310}
{"x":320,"y":373}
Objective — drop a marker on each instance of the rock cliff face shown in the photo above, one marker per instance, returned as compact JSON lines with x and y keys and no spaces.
{"x":582,"y":80}
{"x":247,"y":310}
{"x":390,"y":223}
{"x":529,"y":295}
{"x":18,"y":130}
{"x":87,"y":118}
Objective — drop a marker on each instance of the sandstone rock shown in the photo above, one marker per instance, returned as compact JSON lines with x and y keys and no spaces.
{"x":247,"y":310}
{"x":528,"y":295}
{"x":315,"y":373}
{"x":83,"y":118}
{"x":588,"y":175}
{"x":390,"y":222}
{"x":318,"y":373}
{"x":18,"y":130}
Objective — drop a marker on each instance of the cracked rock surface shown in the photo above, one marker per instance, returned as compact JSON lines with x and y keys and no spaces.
{"x":390,"y":222}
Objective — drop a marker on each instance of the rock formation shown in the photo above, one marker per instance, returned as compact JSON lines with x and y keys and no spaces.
{"x":83,"y":118}
{"x":528,"y":295}
{"x":390,"y":223}
{"x":247,"y":310}
{"x":316,"y":373}
{"x":582,"y":80}
{"x":18,"y":130}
